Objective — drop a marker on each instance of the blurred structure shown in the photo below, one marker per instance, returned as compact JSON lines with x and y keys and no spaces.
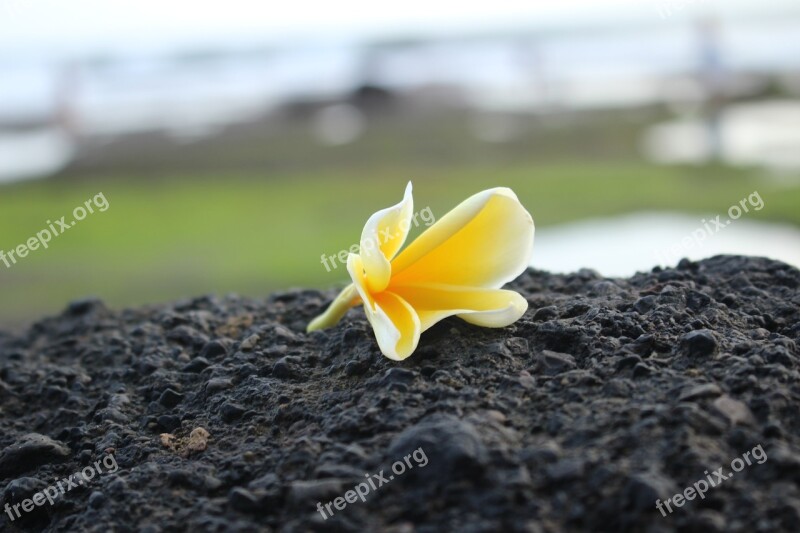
{"x":156,"y":112}
{"x":712,"y":78}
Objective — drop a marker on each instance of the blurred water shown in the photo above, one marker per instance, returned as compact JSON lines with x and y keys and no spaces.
{"x":763,"y":133}
{"x":613,"y":68}
{"x":622,"y":246}
{"x":35,"y":153}
{"x":189,"y":96}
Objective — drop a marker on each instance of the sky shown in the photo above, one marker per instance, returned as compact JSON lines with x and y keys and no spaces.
{"x":47,"y":28}
{"x":96,"y":26}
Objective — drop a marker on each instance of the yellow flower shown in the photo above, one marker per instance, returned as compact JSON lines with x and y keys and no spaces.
{"x":456,"y":267}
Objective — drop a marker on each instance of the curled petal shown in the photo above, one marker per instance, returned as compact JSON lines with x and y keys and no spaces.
{"x":486,"y":241}
{"x":382,"y":237}
{"x":491,"y":308}
{"x":355,"y":267}
{"x":395,"y":323}
{"x":336,"y":310}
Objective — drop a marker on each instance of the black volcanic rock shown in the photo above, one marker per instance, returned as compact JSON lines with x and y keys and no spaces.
{"x":30,"y":451}
{"x":222,"y":414}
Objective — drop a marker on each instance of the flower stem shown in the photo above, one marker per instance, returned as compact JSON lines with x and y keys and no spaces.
{"x":333,"y":314}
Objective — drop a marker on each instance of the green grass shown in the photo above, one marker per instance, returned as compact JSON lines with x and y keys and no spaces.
{"x":164,"y":239}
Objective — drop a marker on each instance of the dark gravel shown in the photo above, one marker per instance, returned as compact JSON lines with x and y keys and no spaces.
{"x":607,"y":395}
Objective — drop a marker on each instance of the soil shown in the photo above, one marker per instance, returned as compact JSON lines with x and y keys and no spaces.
{"x":221,"y":414}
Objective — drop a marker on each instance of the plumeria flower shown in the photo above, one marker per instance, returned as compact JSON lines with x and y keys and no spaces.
{"x":455,"y":267}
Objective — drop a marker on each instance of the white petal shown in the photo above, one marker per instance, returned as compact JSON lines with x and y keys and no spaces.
{"x":491,"y":308}
{"x":382,"y":237}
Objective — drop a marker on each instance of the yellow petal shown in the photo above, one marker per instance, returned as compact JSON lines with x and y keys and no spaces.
{"x":355,"y":267}
{"x":395,"y":323}
{"x":486,"y":241}
{"x":336,"y":310}
{"x":491,"y":308}
{"x":382,"y":237}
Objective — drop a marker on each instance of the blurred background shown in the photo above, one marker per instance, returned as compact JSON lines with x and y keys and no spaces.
{"x":238,"y":142}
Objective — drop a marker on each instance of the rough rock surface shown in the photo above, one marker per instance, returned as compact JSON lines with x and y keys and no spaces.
{"x":607,"y":395}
